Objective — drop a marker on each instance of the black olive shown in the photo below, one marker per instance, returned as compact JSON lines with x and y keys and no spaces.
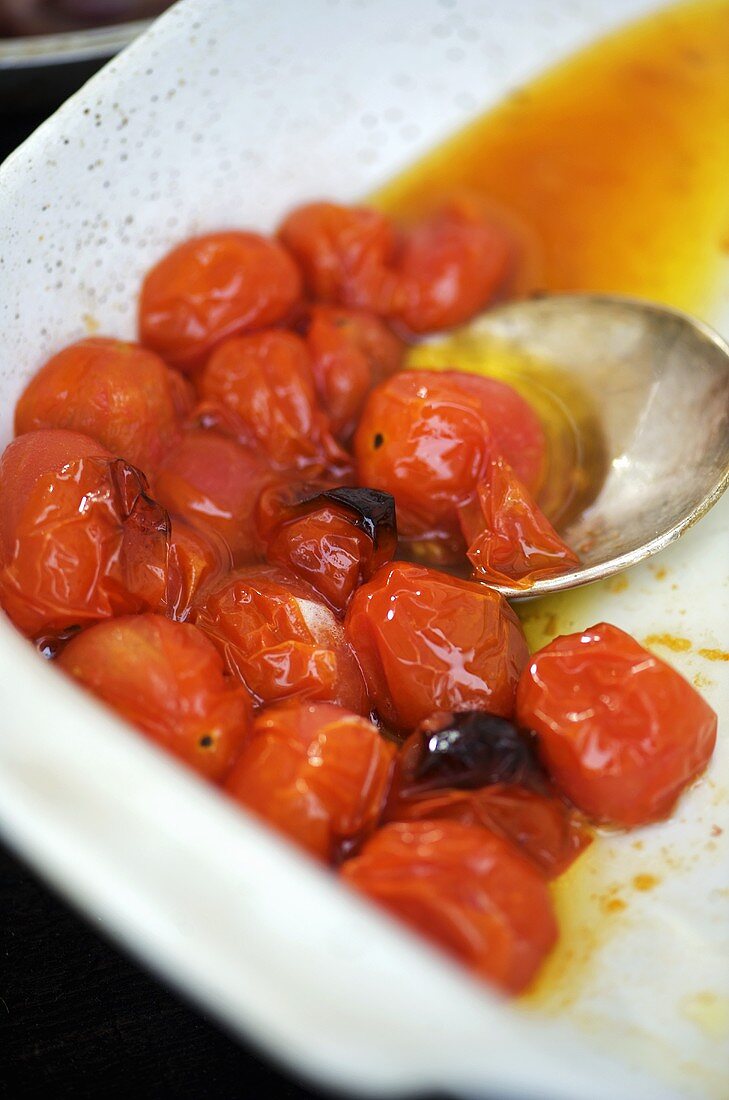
{"x":468,"y":750}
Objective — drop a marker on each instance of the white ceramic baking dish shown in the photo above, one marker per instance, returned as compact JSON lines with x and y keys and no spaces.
{"x":226,"y":114}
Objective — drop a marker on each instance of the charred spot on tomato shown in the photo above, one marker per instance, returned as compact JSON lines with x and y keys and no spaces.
{"x":378,"y":441}
{"x":370,"y":509}
{"x":468,"y":750}
{"x":206,"y":741}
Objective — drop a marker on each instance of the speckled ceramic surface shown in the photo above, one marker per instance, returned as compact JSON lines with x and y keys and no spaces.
{"x":227,"y":113}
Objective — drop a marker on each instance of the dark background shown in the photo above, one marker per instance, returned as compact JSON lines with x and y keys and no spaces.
{"x":78,"y":1019}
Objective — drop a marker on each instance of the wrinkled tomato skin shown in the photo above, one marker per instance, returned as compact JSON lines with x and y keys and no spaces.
{"x":511,"y":542}
{"x":449,"y":267}
{"x":622,"y":733}
{"x":119,"y":394}
{"x":323,"y":545}
{"x":168,"y":681}
{"x":466,"y":890}
{"x":212,"y":287}
{"x":80,"y":540}
{"x":426,"y":442}
{"x":343,"y":253}
{"x":427,"y":642}
{"x":516,"y":429}
{"x":281,"y":640}
{"x":197,"y":560}
{"x":540,"y":826}
{"x":351,"y":352}
{"x":265,"y":379}
{"x":213,"y":482}
{"x":316,"y":772}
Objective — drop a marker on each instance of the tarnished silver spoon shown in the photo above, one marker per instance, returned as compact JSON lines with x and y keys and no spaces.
{"x":658,"y":382}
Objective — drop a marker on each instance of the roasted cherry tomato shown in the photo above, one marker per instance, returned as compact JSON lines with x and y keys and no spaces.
{"x":119,"y":394}
{"x":516,"y":430}
{"x":465,"y":889}
{"x":213,"y":482}
{"x":344,"y":253}
{"x":212,"y":287}
{"x":332,"y":538}
{"x":351,"y":351}
{"x":622,"y":733}
{"x":168,"y":680}
{"x":544,"y":829}
{"x":80,"y":540}
{"x":280,"y":639}
{"x":197,"y":559}
{"x":511,"y":542}
{"x":449,"y":267}
{"x":426,"y":642}
{"x":427,"y":442}
{"x":266,"y":380}
{"x":317,"y":772}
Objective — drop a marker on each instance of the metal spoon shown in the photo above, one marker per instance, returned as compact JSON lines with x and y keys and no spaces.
{"x":659,"y":382}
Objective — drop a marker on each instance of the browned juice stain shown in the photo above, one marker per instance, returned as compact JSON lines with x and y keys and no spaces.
{"x":616,"y":161}
{"x":614,"y":167}
{"x":714,"y":654}
{"x":668,"y":641}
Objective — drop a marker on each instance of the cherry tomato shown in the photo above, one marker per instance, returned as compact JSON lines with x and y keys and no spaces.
{"x":512,"y":542}
{"x":212,"y":287}
{"x":280,"y":639}
{"x":332,"y":538}
{"x":621,"y":732}
{"x":516,"y":430}
{"x":427,"y":442}
{"x":80,"y":540}
{"x":197,"y":559}
{"x":122,"y":396}
{"x":351,"y":351}
{"x":168,"y":680}
{"x":213,"y":482}
{"x":540,"y":826}
{"x":316,"y":772}
{"x":449,"y":267}
{"x":266,"y":380}
{"x":426,"y":642}
{"x":465,"y":889}
{"x":343,"y":252}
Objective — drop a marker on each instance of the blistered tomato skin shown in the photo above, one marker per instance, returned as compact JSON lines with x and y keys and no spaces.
{"x":167,"y":680}
{"x":280,"y":639}
{"x":427,"y":443}
{"x":449,"y":267}
{"x":119,"y":394}
{"x":334,"y":539}
{"x":316,"y":772}
{"x":213,"y":482}
{"x":80,"y":539}
{"x":213,"y":287}
{"x":428,"y":642}
{"x":541,"y":826}
{"x":467,"y":750}
{"x":511,"y":542}
{"x":351,"y":351}
{"x":344,"y":253}
{"x":516,"y":430}
{"x":197,"y":560}
{"x":622,"y":733}
{"x":465,"y":889}
{"x":265,"y":379}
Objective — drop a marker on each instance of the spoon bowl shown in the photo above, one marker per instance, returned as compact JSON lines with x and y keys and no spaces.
{"x":658,"y":380}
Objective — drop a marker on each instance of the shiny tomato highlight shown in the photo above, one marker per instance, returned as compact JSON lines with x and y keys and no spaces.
{"x":212,"y":287}
{"x":465,"y":889}
{"x":316,"y":772}
{"x":168,"y":681}
{"x":622,"y":733}
{"x":80,"y":539}
{"x":426,"y":641}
